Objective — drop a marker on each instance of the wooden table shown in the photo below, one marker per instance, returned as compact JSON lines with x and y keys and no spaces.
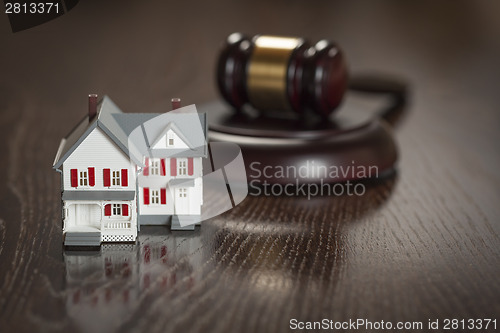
{"x":419,"y":246}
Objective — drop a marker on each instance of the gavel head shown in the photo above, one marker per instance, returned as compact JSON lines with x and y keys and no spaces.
{"x":281,"y":74}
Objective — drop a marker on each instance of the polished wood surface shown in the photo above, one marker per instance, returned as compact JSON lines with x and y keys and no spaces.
{"x":422,"y":244}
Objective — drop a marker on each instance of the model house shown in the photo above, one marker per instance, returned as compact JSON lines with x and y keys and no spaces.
{"x":122,"y":170}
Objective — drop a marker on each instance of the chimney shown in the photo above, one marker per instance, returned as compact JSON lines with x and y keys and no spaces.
{"x":176,"y":103}
{"x":92,"y":106}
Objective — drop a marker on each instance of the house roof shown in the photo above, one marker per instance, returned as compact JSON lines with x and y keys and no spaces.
{"x":133,"y":132}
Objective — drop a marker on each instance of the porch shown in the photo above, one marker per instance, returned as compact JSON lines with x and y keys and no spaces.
{"x":88,"y":223}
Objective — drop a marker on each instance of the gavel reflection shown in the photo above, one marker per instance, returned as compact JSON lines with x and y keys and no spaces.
{"x":282,"y":74}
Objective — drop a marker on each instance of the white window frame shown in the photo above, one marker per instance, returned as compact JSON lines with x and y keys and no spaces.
{"x":182,"y":192}
{"x":116,"y":209}
{"x":182,"y":167}
{"x":83,"y":178}
{"x":116,"y":177}
{"x":154,"y":197}
{"x":155,"y":167}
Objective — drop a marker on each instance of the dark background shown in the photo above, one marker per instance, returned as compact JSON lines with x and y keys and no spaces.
{"x":421,"y":245}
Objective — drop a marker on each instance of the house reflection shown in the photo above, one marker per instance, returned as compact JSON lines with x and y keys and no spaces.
{"x":109,"y":284}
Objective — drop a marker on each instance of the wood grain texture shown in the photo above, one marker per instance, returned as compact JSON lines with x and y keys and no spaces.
{"x":422,"y":244}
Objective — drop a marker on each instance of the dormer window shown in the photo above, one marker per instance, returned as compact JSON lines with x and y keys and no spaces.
{"x":170,"y":139}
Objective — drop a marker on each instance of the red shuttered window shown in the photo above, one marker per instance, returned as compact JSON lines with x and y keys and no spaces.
{"x":190,"y":166}
{"x":91,"y":176}
{"x":173,"y":166}
{"x":74,"y":178}
{"x":125,"y":210}
{"x":162,"y":169}
{"x":146,"y":195}
{"x":163,"y":196}
{"x":124,"y":177}
{"x":107,"y":210}
{"x":106,"y":177}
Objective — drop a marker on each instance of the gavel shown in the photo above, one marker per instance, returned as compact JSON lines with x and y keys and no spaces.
{"x":286,"y":74}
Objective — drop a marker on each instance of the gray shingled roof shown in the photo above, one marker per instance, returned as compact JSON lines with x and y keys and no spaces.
{"x":134,"y":132}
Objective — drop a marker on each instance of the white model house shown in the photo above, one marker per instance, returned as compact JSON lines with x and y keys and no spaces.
{"x":121,"y":170}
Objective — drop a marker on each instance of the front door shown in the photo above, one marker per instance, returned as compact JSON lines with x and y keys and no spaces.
{"x":88,"y":215}
{"x":181,"y":201}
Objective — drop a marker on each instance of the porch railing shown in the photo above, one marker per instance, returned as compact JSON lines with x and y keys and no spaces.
{"x":117,"y":225}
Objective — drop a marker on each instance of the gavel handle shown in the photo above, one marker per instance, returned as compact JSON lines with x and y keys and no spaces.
{"x":397,"y":88}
